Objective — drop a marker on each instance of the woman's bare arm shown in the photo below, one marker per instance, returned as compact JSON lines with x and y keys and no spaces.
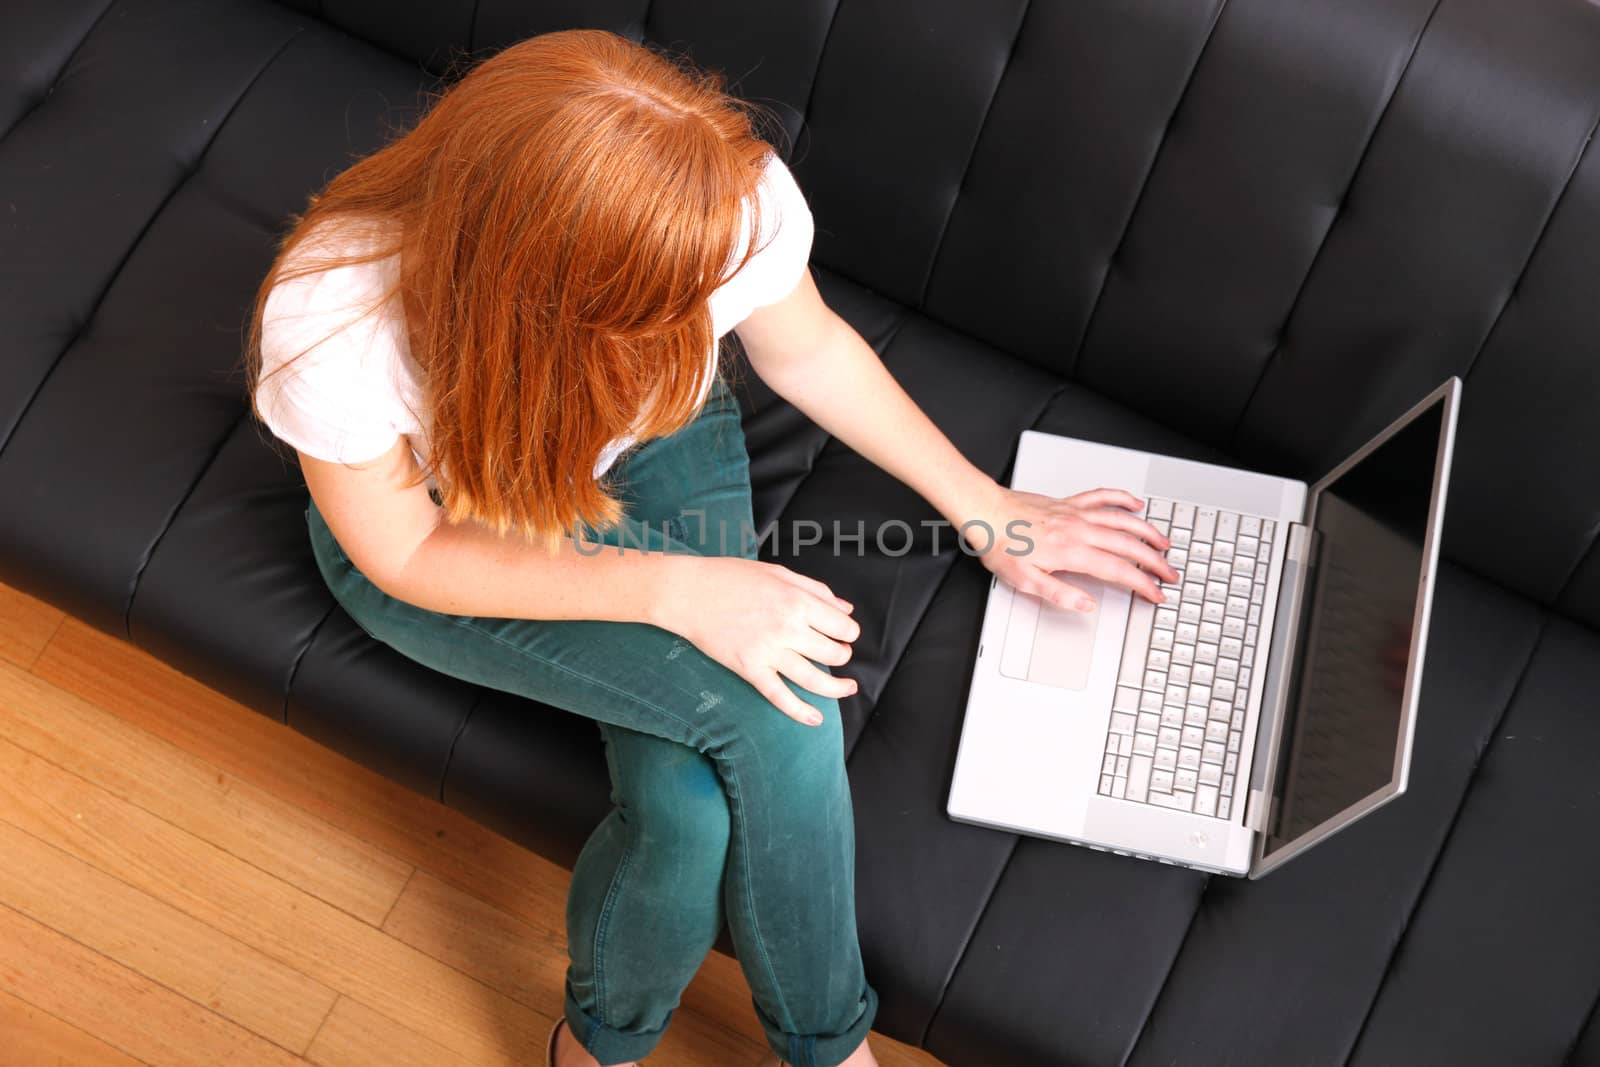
{"x":760,"y":620}
{"x":397,"y":537}
{"x":819,"y":363}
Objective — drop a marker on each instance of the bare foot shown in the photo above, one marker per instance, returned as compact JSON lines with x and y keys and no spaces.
{"x":571,"y":1054}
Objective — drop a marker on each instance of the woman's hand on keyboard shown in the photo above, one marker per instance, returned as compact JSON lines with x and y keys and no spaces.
{"x":1096,"y":533}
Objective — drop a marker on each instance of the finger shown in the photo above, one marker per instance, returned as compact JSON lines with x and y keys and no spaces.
{"x":815,"y":646}
{"x":812,"y":586}
{"x":1121,"y":520}
{"x":1062,"y":594}
{"x":1107,"y":498}
{"x":833,"y":623}
{"x":1119,"y":571}
{"x":769,"y":685}
{"x":1132,"y":549}
{"x":808,"y":675}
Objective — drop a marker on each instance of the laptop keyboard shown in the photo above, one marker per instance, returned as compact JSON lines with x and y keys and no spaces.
{"x":1188,"y":665}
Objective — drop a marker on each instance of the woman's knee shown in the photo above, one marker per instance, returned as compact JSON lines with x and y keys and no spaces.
{"x":785,"y":753}
{"x":674,"y":799}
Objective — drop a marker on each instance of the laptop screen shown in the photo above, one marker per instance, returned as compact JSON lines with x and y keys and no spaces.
{"x":1347,"y":721}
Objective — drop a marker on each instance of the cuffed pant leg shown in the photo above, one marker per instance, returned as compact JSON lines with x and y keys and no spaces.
{"x":645,"y":906}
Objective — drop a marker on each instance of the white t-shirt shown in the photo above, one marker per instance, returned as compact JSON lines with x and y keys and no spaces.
{"x":351,"y":395}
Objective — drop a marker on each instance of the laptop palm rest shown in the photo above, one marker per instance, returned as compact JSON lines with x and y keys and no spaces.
{"x":1051,"y":645}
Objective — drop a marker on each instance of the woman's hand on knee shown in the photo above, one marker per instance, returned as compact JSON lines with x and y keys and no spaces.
{"x":765,"y":623}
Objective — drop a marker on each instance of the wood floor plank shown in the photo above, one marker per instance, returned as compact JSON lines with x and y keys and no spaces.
{"x":530,"y":965}
{"x":151,"y":937}
{"x":462,"y":868}
{"x":418,"y":830}
{"x":304,"y":932}
{"x":142,"y":1018}
{"x":26,"y":625}
{"x":522,"y":961}
{"x":35,"y":1038}
{"x":253,"y":824}
{"x":358,"y":1036}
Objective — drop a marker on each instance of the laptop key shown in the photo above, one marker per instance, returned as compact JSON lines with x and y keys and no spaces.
{"x":1161,"y":781}
{"x":1139,"y":778}
{"x":1205,"y":800}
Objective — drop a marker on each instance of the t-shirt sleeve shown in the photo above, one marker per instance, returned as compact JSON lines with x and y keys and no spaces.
{"x":783,"y":250}
{"x":332,"y":402}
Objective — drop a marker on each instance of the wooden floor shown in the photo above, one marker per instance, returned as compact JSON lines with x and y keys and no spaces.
{"x":184,"y":882}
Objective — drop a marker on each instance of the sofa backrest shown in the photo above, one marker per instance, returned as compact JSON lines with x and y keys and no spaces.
{"x":1272,"y":224}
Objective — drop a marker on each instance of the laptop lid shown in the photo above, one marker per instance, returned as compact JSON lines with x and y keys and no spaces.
{"x":1344,"y":746}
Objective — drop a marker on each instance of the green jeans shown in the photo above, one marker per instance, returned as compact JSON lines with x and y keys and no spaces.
{"x":724,"y":806}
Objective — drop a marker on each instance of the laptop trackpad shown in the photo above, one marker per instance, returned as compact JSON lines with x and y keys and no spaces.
{"x":1051,"y":645}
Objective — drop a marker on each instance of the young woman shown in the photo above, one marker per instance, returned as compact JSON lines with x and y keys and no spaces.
{"x":493,"y":345}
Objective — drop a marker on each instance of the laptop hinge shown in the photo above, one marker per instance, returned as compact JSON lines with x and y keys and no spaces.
{"x":1276,"y":687}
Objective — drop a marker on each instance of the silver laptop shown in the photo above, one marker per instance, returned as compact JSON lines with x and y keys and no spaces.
{"x":1267,"y":704}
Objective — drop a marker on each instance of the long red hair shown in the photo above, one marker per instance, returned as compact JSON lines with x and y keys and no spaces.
{"x":562,"y":215}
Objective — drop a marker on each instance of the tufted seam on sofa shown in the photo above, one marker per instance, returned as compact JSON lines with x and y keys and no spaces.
{"x":1533,"y":248}
{"x":94,"y":308}
{"x":455,"y":738}
{"x":972,"y":154}
{"x":61,"y":71}
{"x":1338,"y":216}
{"x":1444,"y":843}
{"x":966,"y":940}
{"x":216,"y":450}
{"x":1583,"y":557}
{"x":816,"y":75}
{"x":1591,"y":1019}
{"x":1172,"y":966}
{"x":294,"y":668}
{"x":1138,"y":198}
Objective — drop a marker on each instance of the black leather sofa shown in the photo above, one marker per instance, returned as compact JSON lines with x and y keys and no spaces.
{"x":1250,"y":230}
